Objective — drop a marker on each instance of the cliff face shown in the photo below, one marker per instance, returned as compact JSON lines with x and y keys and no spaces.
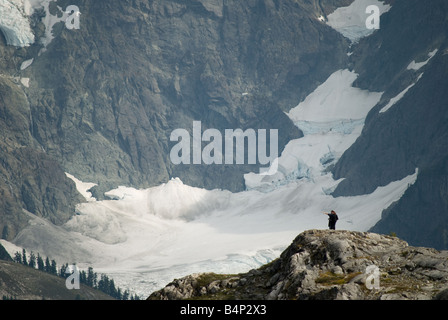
{"x":407,"y":57}
{"x":421,"y":215}
{"x":30,"y":178}
{"x":330,"y":265}
{"x":107,"y":96}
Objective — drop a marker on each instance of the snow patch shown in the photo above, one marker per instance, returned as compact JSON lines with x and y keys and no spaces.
{"x":49,"y":20}
{"x":83,"y":187}
{"x":26,"y":64}
{"x":25,"y":82}
{"x":351,"y":21}
{"x":399,"y":96}
{"x":418,"y":65}
{"x":336,"y":99}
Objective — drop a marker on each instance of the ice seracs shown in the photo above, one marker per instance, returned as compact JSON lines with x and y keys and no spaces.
{"x":331,"y":119}
{"x":14,"y":23}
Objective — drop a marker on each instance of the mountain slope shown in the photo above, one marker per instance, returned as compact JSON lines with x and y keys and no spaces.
{"x":100,"y":102}
{"x":26,"y":283}
{"x":420,"y":216}
{"x":4,"y":255}
{"x":328,"y":265}
{"x":407,"y":60}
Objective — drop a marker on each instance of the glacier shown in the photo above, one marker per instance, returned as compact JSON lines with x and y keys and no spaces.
{"x":145,"y":238}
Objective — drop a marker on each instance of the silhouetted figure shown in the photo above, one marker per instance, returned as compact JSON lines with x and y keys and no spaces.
{"x":332,"y":218}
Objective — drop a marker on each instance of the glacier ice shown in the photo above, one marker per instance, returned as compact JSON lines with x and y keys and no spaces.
{"x":82,"y":187}
{"x":331,"y":119}
{"x":145,"y":238}
{"x":14,"y":23}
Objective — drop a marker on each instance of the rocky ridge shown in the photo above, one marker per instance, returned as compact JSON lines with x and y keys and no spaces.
{"x":328,"y":265}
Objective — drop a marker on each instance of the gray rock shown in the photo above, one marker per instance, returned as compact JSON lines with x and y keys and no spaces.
{"x":310,"y":269}
{"x":442,"y":295}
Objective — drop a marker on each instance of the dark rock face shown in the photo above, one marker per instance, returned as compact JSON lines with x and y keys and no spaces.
{"x":103,"y":100}
{"x":21,"y":282}
{"x":30,"y":178}
{"x":329,"y":265}
{"x":421,"y":214}
{"x":140,"y":70}
{"x":411,"y":134}
{"x":4,"y":255}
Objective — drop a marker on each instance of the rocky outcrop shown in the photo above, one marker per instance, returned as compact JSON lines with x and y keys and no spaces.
{"x":329,"y":265}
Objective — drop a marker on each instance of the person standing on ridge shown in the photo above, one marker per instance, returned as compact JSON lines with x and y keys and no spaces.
{"x":332,"y":218}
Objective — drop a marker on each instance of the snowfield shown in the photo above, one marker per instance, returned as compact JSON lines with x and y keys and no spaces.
{"x":145,"y":238}
{"x":350,"y":21}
